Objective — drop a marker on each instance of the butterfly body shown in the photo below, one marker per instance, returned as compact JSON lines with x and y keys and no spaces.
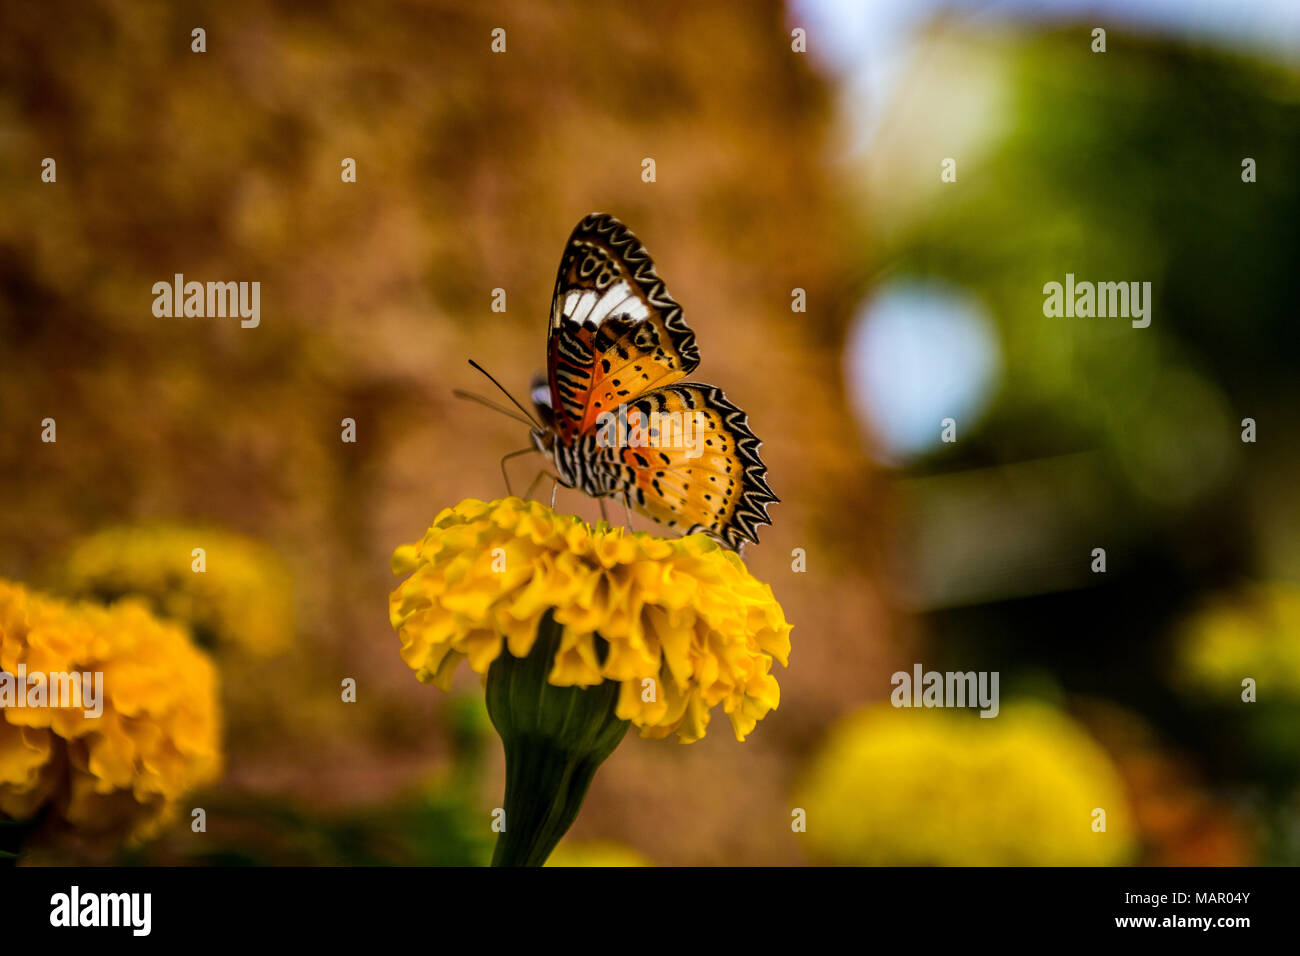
{"x":616,"y":422}
{"x":580,"y":465}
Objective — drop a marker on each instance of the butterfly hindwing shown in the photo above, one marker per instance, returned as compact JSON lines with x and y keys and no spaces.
{"x":615,"y":332}
{"x":688,"y":459}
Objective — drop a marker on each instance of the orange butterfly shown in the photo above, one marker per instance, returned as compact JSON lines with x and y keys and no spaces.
{"x":613,"y":424}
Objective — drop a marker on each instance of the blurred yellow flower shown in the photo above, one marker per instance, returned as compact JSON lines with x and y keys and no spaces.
{"x":599,"y":853}
{"x":1250,"y":633}
{"x":939,"y":787}
{"x":683,"y":625}
{"x":157,"y":738}
{"x":241,"y":599}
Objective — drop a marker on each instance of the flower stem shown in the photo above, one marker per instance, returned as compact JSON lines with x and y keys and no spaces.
{"x":555,"y":738}
{"x":13,"y":834}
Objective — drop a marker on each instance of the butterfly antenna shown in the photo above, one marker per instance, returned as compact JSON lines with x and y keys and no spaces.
{"x":505,"y":393}
{"x":470,"y":396}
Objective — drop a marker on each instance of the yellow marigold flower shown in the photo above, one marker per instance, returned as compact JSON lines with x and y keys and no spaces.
{"x":156,"y":739}
{"x":241,"y":599}
{"x":684,"y":613}
{"x":939,"y":787}
{"x":1250,"y":633}
{"x":599,"y":853}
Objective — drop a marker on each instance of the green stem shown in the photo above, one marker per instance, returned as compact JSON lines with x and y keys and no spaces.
{"x":555,"y":738}
{"x":13,"y":834}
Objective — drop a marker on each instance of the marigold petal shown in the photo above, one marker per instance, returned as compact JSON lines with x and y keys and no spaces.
{"x":684,"y":612}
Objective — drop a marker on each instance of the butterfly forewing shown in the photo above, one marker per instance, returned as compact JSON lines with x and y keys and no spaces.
{"x":615,"y":331}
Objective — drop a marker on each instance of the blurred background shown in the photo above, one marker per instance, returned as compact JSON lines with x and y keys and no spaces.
{"x":776,"y":170}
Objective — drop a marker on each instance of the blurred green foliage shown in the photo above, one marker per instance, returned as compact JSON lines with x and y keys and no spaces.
{"x":1122,"y":167}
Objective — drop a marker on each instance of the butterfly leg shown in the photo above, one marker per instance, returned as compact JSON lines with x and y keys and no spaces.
{"x":603,"y":516}
{"x":627,"y":510}
{"x":504,"y":459}
{"x":555,"y":487}
{"x":534,"y":483}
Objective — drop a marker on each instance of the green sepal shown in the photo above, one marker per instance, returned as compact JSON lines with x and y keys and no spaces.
{"x":13,"y":834}
{"x":555,"y":738}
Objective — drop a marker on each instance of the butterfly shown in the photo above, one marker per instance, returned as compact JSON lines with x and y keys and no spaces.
{"x":612,"y":417}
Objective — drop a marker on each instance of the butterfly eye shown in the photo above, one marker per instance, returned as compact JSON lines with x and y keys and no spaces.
{"x":540,"y":391}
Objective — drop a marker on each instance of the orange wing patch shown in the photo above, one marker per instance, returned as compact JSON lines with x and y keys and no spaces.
{"x":693,"y":463}
{"x":615,"y":331}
